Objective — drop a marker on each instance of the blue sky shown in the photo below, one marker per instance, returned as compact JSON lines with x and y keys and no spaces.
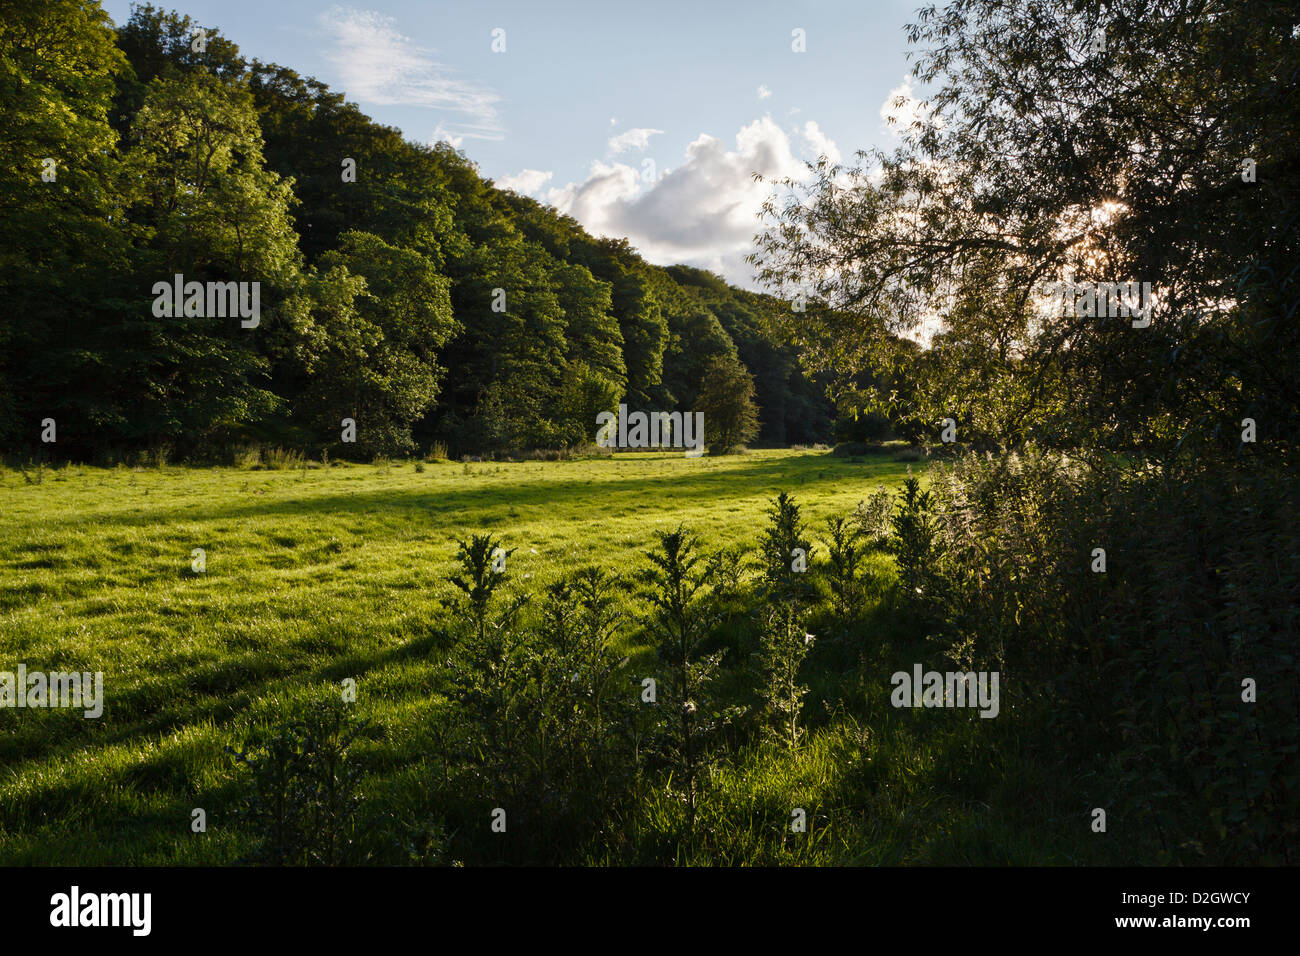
{"x":640,"y":119}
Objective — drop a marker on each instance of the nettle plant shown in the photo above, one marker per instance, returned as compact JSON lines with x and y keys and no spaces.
{"x":691,"y":717}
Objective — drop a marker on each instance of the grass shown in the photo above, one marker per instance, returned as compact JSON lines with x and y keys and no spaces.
{"x":315,"y":575}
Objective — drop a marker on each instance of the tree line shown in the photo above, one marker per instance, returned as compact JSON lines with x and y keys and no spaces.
{"x":396,"y":287}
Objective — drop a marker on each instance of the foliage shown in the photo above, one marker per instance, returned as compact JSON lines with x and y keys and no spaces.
{"x":872,"y":516}
{"x":726,"y":397}
{"x":302,"y":788}
{"x":690,"y":715}
{"x":917,"y":546}
{"x":785,"y":551}
{"x":783,"y":645}
{"x":847,"y":582}
{"x":1040,"y":157}
{"x":414,"y":298}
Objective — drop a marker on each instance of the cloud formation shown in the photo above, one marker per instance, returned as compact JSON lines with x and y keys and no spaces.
{"x":378,"y":64}
{"x":901,"y":109}
{"x":526,"y":182}
{"x":704,"y":211}
{"x":818,"y":142}
{"x":637,"y":139}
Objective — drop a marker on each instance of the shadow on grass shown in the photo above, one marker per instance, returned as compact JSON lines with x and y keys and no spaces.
{"x":706,"y":485}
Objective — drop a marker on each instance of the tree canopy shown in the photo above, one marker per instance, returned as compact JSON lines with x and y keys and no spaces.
{"x":1134,"y":141}
{"x":397,"y":287}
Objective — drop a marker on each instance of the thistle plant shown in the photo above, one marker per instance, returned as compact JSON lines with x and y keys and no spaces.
{"x":302,"y":798}
{"x":785,"y":551}
{"x":489,"y":658}
{"x":682,"y":622}
{"x":915,"y":544}
{"x":783,"y":646}
{"x":848,"y":591}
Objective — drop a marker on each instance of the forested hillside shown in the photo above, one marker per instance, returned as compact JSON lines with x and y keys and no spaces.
{"x":397,"y":287}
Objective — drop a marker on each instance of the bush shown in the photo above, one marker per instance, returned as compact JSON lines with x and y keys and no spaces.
{"x":302,"y":790}
{"x":785,"y":551}
{"x":848,"y":592}
{"x":915,"y":544}
{"x":690,"y":714}
{"x":1149,"y":657}
{"x":872,"y":517}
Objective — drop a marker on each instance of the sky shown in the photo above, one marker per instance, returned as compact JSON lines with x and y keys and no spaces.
{"x":644,"y":120}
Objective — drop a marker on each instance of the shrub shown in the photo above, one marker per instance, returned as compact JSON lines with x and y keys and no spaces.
{"x":302,"y":797}
{"x":486,"y":672}
{"x":726,"y":570}
{"x":872,"y":517}
{"x":848,"y":593}
{"x":1150,"y":656}
{"x":279,"y":459}
{"x":583,"y":705}
{"x":914,"y":542}
{"x":911,"y":454}
{"x":785,"y":551}
{"x":690,"y":714}
{"x":783,"y":645}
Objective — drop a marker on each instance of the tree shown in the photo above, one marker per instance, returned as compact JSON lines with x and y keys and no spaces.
{"x":396,"y":285}
{"x":382,"y":312}
{"x":727,"y":401}
{"x":1045,"y":156}
{"x":62,"y":240}
{"x":211,"y":212}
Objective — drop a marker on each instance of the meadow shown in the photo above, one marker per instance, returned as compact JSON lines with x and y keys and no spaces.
{"x":320,"y":573}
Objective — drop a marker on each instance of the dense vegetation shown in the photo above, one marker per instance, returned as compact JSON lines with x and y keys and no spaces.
{"x":225,"y":689}
{"x":398,"y":288}
{"x":1125,"y":550}
{"x":652,"y":658}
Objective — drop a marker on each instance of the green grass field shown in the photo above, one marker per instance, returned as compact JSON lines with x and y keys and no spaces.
{"x":318,"y":574}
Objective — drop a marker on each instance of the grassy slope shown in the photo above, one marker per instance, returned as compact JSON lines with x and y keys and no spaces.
{"x":321,"y":574}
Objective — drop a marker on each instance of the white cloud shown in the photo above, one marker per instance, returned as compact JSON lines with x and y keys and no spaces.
{"x":901,"y":109}
{"x":763,"y":91}
{"x":637,"y":139}
{"x":378,"y":64}
{"x":819,"y":142}
{"x":527,"y":181}
{"x":703,"y":212}
{"x":442,"y":135}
